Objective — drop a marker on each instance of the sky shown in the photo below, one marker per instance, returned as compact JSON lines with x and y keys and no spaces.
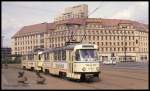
{"x":15,"y":14}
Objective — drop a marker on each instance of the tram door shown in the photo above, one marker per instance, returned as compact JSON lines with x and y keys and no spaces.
{"x":40,"y":60}
{"x":71,"y":58}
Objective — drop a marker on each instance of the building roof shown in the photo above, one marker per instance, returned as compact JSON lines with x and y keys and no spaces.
{"x":44,"y":27}
{"x":36,"y":28}
{"x":72,"y":21}
{"x":115,"y":22}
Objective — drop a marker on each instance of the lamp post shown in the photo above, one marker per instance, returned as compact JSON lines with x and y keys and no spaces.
{"x":125,"y":45}
{"x":2,"y":40}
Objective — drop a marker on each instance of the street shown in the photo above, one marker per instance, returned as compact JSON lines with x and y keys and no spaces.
{"x":119,"y":76}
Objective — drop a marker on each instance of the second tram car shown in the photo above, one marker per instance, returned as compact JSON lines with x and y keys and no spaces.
{"x":76,"y":61}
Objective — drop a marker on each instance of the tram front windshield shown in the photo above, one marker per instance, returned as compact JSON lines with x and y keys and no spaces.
{"x":87,"y":54}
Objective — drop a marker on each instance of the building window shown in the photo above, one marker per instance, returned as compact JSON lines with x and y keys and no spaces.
{"x":106,"y":37}
{"x":133,"y":37}
{"x":118,"y":37}
{"x":89,"y":37}
{"x":97,"y":32}
{"x":106,"y":49}
{"x":118,"y":49}
{"x":129,"y":49}
{"x":106,"y":43}
{"x":114,"y":43}
{"x":110,"y":37}
{"x":98,"y":43}
{"x":97,"y":37}
{"x":93,"y":37}
{"x":102,"y":49}
{"x":136,"y":41}
{"x":129,"y":43}
{"x":121,"y":37}
{"x":114,"y":49}
{"x":122,"y":43}
{"x":128,"y":32}
{"x":102,"y":38}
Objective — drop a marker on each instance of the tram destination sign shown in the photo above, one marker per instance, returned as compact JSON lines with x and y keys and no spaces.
{"x":87,"y":46}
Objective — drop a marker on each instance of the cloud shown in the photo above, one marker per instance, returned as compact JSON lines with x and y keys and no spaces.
{"x":124,"y":14}
{"x":138,"y":12}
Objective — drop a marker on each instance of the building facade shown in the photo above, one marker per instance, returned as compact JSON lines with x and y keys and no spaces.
{"x":79,"y":11}
{"x":126,"y":40}
{"x":5,"y":52}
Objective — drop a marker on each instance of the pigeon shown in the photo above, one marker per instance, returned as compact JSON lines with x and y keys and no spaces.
{"x":40,"y":79}
{"x":21,"y":78}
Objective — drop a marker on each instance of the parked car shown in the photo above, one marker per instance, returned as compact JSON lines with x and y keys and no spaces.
{"x":109,"y":62}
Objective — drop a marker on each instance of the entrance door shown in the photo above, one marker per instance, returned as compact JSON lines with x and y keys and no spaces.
{"x":104,"y":58}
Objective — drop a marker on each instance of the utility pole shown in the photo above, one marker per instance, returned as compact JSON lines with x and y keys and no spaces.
{"x":2,"y":41}
{"x":84,"y":36}
{"x":125,"y":45}
{"x":71,"y":26}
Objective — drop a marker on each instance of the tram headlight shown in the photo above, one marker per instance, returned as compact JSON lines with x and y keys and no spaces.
{"x":83,"y":69}
{"x":97,"y":68}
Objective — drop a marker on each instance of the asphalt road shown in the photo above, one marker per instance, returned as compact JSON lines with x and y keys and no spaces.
{"x":120,"y":76}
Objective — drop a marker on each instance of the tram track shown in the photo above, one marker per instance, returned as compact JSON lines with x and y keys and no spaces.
{"x":124,"y":76}
{"x":110,"y":72}
{"x":125,"y":69}
{"x":110,"y":79}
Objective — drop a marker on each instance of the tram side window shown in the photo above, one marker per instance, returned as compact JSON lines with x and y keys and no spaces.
{"x":46,"y":56}
{"x":77,"y":56}
{"x":59,"y":55}
{"x":63,"y":55}
{"x":24,"y":57}
{"x":30,"y":57}
{"x":55,"y":55}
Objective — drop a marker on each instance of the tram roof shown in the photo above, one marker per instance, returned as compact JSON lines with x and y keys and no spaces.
{"x":68,"y":47}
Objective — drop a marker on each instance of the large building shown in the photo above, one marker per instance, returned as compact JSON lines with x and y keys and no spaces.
{"x":6,"y":51}
{"x":79,"y":11}
{"x":114,"y":37}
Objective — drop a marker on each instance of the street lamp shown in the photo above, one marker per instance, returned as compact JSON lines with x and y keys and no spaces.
{"x":125,"y":45}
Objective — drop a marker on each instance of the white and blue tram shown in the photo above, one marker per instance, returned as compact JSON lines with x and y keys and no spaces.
{"x":77,"y":61}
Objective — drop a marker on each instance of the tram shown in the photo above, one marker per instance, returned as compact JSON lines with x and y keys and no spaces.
{"x":76,"y":61}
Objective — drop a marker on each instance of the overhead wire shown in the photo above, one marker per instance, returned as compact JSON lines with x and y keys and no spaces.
{"x":84,"y":36}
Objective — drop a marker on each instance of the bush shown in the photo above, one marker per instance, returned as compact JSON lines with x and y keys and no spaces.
{"x":9,"y":60}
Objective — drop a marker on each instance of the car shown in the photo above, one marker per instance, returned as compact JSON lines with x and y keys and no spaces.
{"x":109,"y":62}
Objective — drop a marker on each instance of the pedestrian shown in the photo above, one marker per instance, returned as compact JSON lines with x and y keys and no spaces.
{"x":6,"y":65}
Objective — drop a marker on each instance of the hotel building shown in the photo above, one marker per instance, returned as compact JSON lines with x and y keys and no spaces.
{"x":114,"y":37}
